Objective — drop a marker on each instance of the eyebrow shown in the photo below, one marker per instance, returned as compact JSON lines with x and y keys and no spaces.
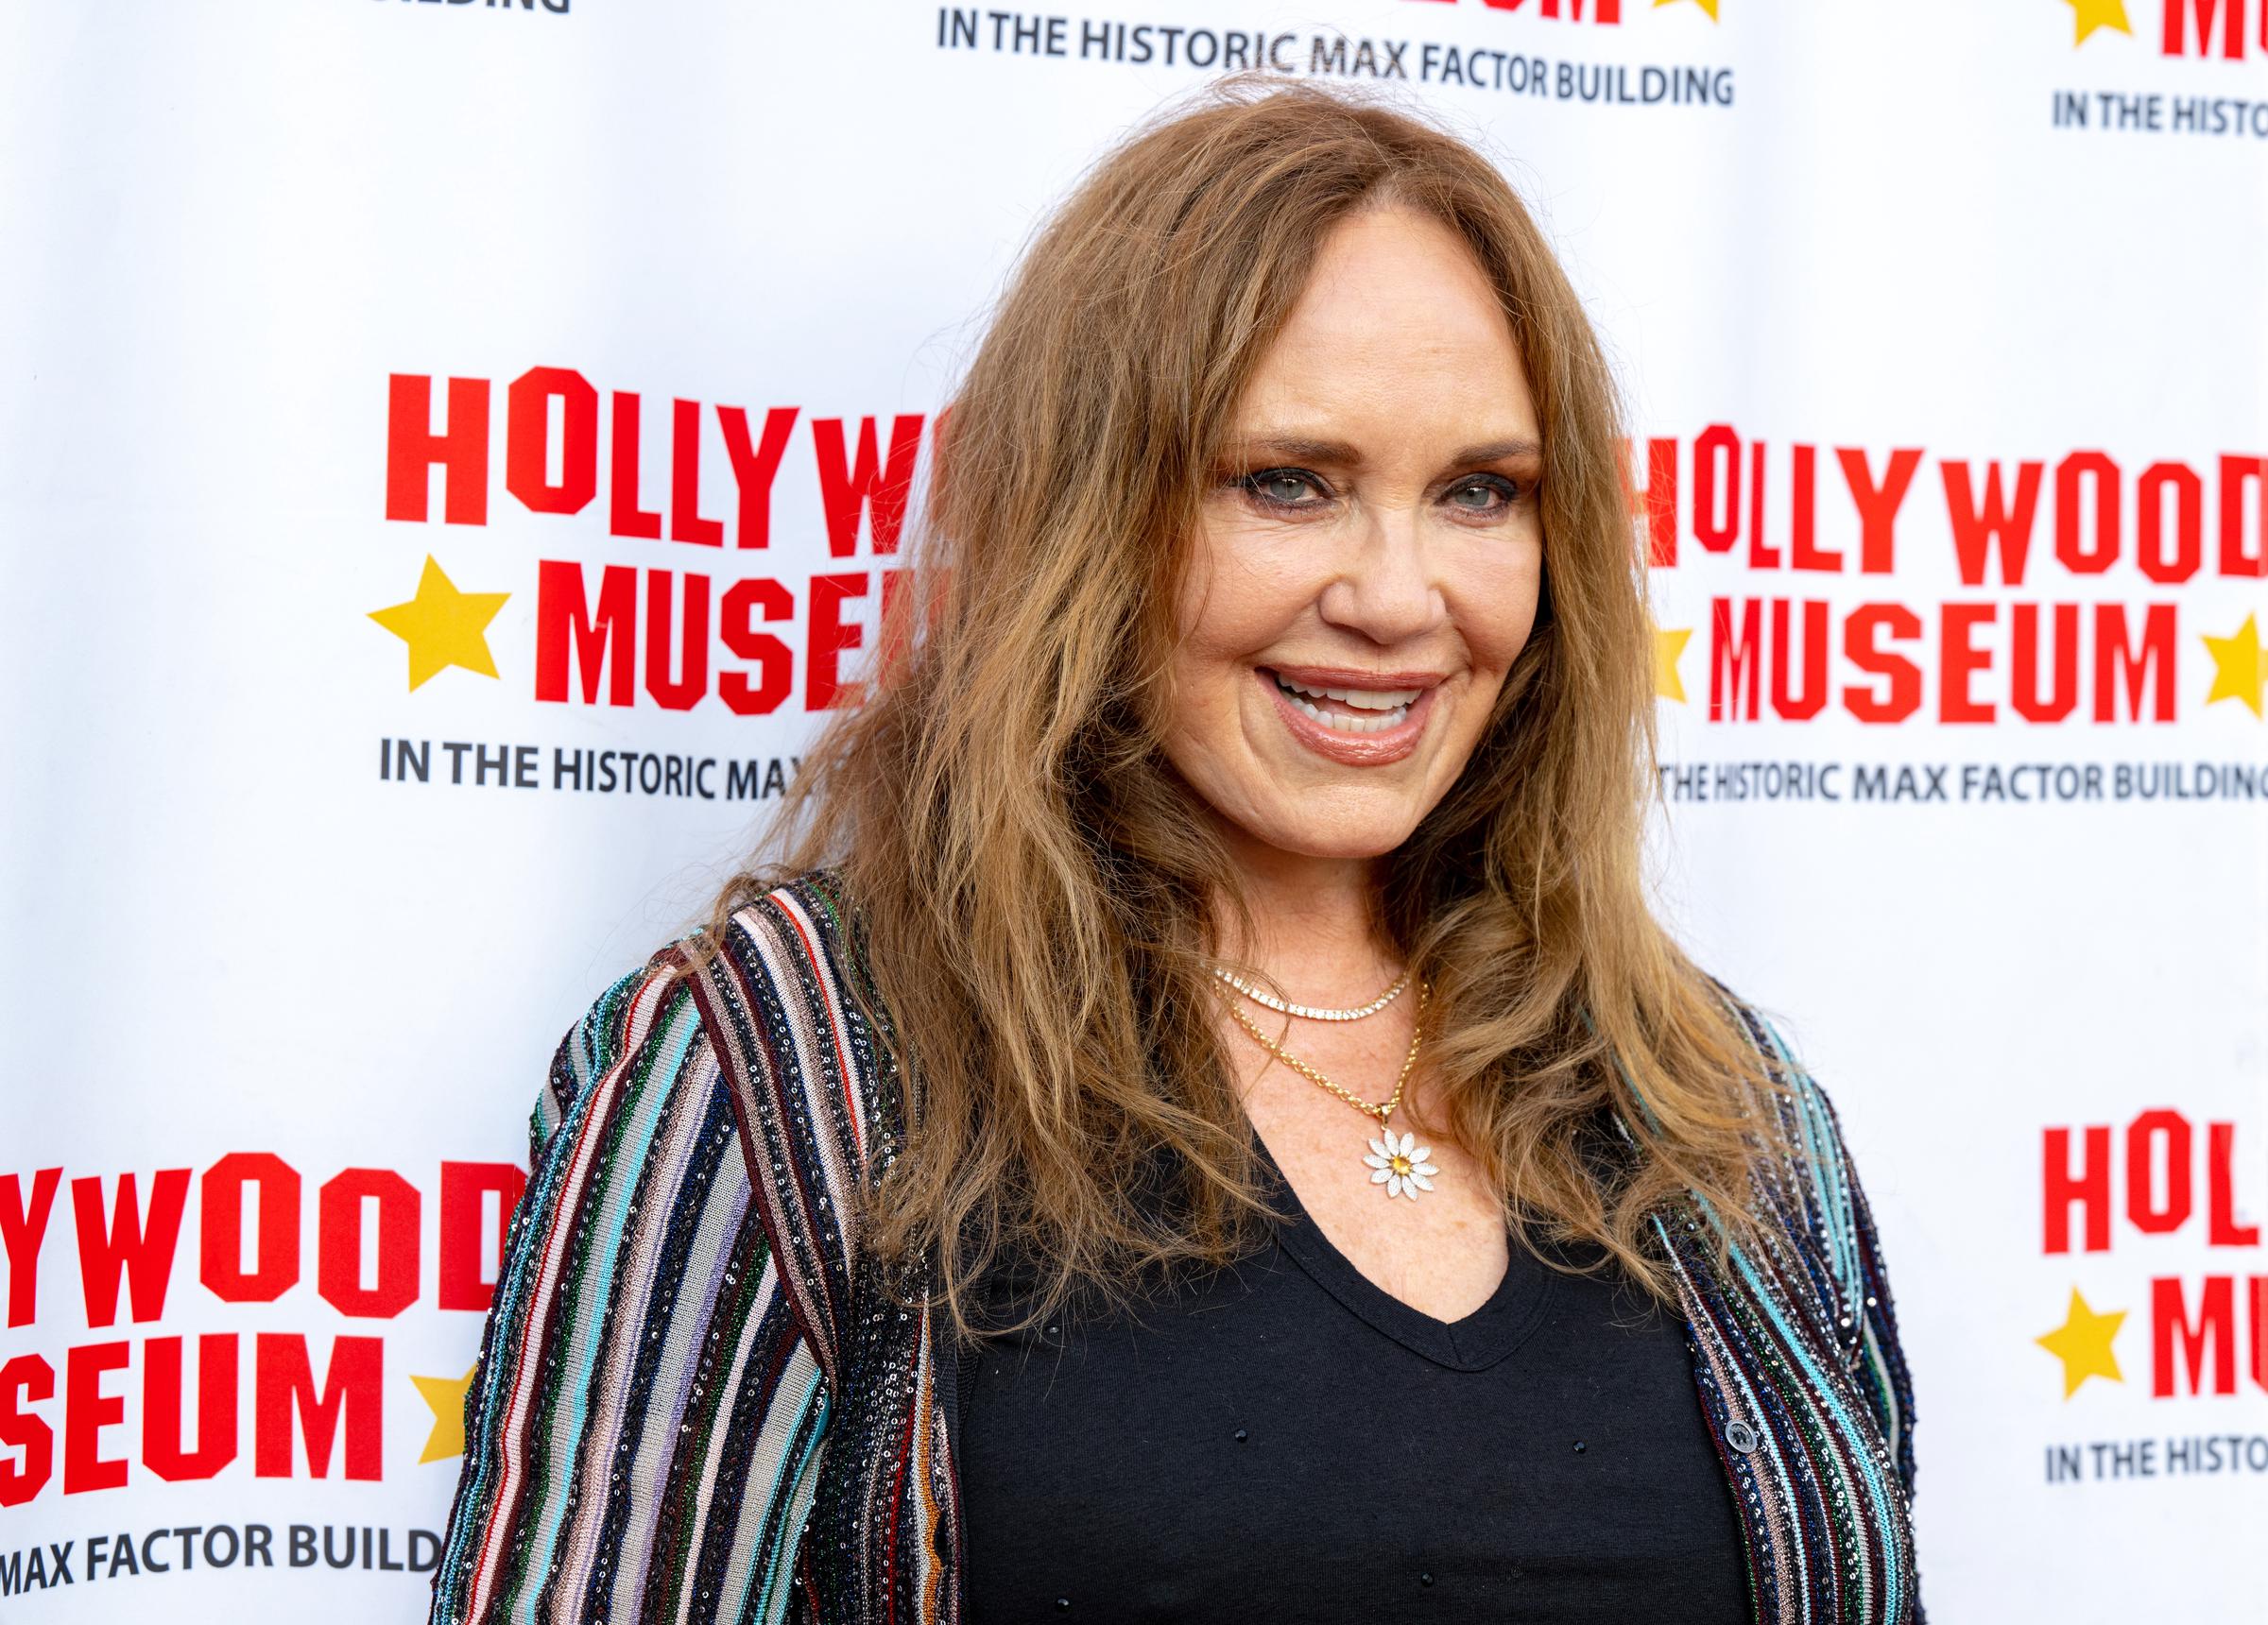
{"x":1296,"y":449}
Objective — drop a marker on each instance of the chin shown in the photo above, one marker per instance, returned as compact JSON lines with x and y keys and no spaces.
{"x":1342,"y":841}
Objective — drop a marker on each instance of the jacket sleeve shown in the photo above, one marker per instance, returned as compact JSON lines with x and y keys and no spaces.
{"x":641,"y":1424}
{"x":1852,"y":1257}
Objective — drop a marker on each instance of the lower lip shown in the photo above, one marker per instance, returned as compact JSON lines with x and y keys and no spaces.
{"x":1380,"y":749}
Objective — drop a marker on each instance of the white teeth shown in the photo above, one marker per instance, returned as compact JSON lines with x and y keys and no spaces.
{"x":1361,"y":699}
{"x":1351,"y":724}
{"x":1389,"y":708}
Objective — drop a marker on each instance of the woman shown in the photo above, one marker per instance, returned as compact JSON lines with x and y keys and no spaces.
{"x":1202,"y":1120}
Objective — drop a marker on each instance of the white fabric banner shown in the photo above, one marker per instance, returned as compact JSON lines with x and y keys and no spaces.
{"x":453,"y":451}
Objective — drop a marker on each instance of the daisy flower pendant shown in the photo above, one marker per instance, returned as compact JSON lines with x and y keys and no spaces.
{"x":1400,"y":1164}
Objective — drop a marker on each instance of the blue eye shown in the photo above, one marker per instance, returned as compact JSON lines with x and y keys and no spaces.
{"x":1281,"y":487}
{"x":1494,"y":493}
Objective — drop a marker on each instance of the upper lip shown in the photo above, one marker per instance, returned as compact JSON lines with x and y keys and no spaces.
{"x":1348,"y":677}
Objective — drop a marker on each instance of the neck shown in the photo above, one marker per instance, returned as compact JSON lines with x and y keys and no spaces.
{"x":1312,"y":928}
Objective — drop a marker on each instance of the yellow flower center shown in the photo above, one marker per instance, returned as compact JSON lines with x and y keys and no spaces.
{"x":1400,"y":1165}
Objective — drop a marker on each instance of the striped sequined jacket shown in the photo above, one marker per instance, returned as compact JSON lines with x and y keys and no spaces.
{"x":693,"y":1403}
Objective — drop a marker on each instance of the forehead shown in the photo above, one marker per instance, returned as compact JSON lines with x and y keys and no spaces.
{"x":1398,"y":324}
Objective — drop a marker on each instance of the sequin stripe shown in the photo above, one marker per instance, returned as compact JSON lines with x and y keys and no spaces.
{"x":562,"y":1453}
{"x":911,"y":1568}
{"x":741,"y":1006}
{"x":1817,"y":1442}
{"x":1882,"y":1382}
{"x":1870,"y":1493}
{"x":1889,"y":1388}
{"x":1783,"y":1195}
{"x":932,"y":1489}
{"x":780,"y":1547}
{"x":749,"y":1305}
{"x":1813,"y":1188}
{"x":727,"y":1267}
{"x":493,"y":1487}
{"x":810,"y":931}
{"x":893,"y":1527}
{"x":525,"y":1315}
{"x":1872,"y":1487}
{"x":1786,"y":1183}
{"x":1768,"y":1516}
{"x":1859,"y":1329}
{"x":573,"y":1062}
{"x":942,"y":1580}
{"x":609,"y":1541}
{"x":873,"y":1042}
{"x":1884,"y":1387}
{"x":1823,"y":1162}
{"x":812,"y":1034}
{"x":754,"y":1334}
{"x":662,"y":1187}
{"x":804,"y":1071}
{"x":1786,"y":1212}
{"x":550,"y":1458}
{"x":1836,"y":1436}
{"x":1805,"y":1442}
{"x":753,"y":1581}
{"x":851,"y":1536}
{"x":1879,"y":1382}
{"x":1786,"y":1176}
{"x":767,"y":1391}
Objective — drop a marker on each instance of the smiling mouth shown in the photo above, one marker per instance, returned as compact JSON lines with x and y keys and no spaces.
{"x":1349,"y":711}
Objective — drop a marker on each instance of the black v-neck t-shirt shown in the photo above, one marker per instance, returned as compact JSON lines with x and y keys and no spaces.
{"x":1286,"y":1440}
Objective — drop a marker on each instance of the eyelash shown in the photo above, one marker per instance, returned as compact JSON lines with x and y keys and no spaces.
{"x":1508,"y":493}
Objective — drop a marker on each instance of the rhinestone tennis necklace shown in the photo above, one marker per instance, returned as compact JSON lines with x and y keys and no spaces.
{"x":1312,"y":1012}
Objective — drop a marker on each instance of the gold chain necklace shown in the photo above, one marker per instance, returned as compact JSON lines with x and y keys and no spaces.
{"x":1396,"y":1161}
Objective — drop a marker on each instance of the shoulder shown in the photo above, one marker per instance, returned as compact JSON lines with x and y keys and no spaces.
{"x":785,"y":955}
{"x":797,"y":1027}
{"x":795,"y":945}
{"x":641,"y":1014}
{"x":1805,"y":1180}
{"x":1810,"y":1131}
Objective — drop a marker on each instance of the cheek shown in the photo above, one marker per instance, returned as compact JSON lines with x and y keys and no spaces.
{"x":1204,"y":635}
{"x":1236,"y":602}
{"x":1496,"y":612}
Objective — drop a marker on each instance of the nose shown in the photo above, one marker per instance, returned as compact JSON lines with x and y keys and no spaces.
{"x":1385,"y":589}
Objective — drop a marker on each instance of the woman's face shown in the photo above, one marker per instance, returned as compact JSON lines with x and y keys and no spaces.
{"x":1369,"y":557}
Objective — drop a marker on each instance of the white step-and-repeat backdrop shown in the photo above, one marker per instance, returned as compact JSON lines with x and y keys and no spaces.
{"x":453,"y":451}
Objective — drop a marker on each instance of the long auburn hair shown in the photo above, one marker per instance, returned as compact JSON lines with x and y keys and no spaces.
{"x":1035,"y":894}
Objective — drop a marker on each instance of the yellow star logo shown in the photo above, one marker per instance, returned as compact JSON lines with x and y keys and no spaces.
{"x":2238,"y":670}
{"x":1668,"y":646}
{"x":1708,"y":6}
{"x":2088,"y":15}
{"x":445,"y":1398}
{"x":443,"y":626}
{"x":2083,"y":1343}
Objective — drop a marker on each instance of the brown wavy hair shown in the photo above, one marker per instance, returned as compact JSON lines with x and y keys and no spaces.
{"x":1035,"y":893}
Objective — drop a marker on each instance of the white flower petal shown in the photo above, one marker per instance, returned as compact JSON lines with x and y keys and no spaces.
{"x":1421,"y":1154}
{"x":1420,"y":1181}
{"x":1383,"y":1177}
{"x":1393,"y":1184}
{"x":1408,"y":1141}
{"x":1381,"y":1149}
{"x":1376,"y":1160}
{"x":1409,"y":1188}
{"x":1424,"y":1167}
